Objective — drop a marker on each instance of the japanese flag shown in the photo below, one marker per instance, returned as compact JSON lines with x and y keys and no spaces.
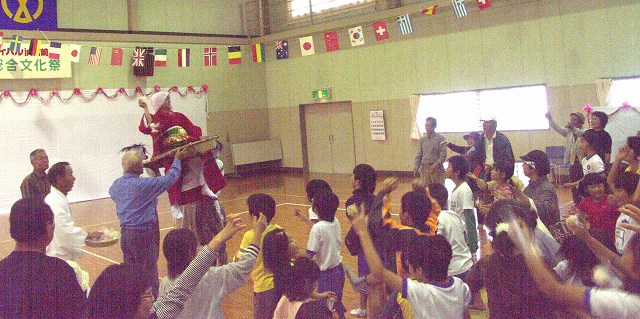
{"x":74,"y":52}
{"x":306,"y":46}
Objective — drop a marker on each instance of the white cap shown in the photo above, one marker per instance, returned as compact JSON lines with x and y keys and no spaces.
{"x":488,"y":118}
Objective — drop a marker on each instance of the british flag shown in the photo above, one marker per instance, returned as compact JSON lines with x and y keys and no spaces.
{"x":138,"y":57}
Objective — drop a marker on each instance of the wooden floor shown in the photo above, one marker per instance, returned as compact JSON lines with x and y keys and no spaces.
{"x":288,"y":190}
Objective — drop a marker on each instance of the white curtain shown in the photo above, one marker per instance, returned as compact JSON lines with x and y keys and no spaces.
{"x":414,"y":100}
{"x":87,"y":135}
{"x":603,"y":88}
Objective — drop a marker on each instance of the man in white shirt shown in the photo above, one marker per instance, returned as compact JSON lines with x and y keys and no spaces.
{"x":67,"y":238}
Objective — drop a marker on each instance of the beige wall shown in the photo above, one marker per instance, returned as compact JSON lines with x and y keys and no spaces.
{"x":565,"y":45}
{"x":202,"y":16}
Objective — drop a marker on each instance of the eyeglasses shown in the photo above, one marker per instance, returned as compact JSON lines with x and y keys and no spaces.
{"x":530,"y":163}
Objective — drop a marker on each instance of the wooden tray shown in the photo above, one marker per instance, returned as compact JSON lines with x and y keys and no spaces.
{"x":201,"y":146}
{"x":101,"y":243}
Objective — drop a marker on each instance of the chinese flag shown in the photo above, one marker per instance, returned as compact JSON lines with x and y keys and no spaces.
{"x":484,"y":4}
{"x":331,"y":39}
{"x":116,"y":56}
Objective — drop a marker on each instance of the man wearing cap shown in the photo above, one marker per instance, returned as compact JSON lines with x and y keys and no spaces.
{"x":493,"y":146}
{"x":432,"y":152}
{"x":572,"y":155}
{"x":540,"y":190}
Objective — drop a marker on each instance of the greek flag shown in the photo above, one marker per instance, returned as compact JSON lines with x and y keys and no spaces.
{"x":459,"y":8}
{"x":404,"y":23}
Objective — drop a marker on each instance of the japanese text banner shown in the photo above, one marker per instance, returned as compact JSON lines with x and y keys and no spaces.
{"x":23,"y":66}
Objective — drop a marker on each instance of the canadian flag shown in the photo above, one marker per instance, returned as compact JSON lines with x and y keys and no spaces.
{"x":306,"y":46}
{"x":484,"y":4}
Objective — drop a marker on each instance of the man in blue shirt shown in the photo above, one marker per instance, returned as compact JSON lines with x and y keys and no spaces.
{"x":136,"y":199}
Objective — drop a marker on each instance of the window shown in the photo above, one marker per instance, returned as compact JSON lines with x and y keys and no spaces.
{"x":301,"y":7}
{"x":516,"y":109}
{"x":625,"y":90}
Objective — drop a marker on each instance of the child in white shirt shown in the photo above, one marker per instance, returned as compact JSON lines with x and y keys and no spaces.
{"x":325,"y":241}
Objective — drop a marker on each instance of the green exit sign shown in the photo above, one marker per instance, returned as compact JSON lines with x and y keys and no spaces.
{"x":321,"y":94}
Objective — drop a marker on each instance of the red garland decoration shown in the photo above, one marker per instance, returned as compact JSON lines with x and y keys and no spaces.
{"x":33,"y":92}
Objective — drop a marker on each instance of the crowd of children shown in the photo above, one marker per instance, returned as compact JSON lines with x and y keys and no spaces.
{"x":423,"y":264}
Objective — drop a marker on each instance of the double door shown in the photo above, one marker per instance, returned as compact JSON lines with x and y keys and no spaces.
{"x":329,"y":136}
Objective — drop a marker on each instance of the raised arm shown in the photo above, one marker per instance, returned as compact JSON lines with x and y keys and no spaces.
{"x":171,"y":304}
{"x":566,"y":295}
{"x":378,"y":272}
{"x":613,"y":173}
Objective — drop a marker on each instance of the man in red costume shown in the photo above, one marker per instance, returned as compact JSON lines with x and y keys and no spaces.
{"x":194,"y":204}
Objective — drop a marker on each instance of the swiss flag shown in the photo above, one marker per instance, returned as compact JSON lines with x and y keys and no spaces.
{"x":484,"y":4}
{"x":331,"y":39}
{"x":381,"y":31}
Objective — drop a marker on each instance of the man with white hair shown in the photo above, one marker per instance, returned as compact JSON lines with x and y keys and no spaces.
{"x":37,"y":184}
{"x":492,"y":147}
{"x":136,"y":199}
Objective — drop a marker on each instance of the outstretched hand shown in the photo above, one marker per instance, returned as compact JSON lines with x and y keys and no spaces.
{"x":522,"y":237}
{"x":259,"y":225}
{"x":360,"y":220}
{"x":142,"y":103}
{"x":234,"y":224}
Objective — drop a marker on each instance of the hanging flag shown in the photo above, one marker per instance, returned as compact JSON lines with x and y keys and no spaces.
{"x":138,"y":57}
{"x":94,"y":55}
{"x":184,"y":58}
{"x":306,"y":46}
{"x":143,"y":61}
{"x":282,"y":49}
{"x":404,"y":23}
{"x":459,"y":8}
{"x":380,"y":30}
{"x":484,"y":4}
{"x":116,"y":56}
{"x":15,"y":43}
{"x":331,"y":40}
{"x":234,"y":54}
{"x":160,"y":58}
{"x":356,"y":36}
{"x":210,"y":56}
{"x":257,"y":50}
{"x":34,"y":47}
{"x":430,"y":10}
{"x":54,"y":50}
{"x":74,"y":52}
